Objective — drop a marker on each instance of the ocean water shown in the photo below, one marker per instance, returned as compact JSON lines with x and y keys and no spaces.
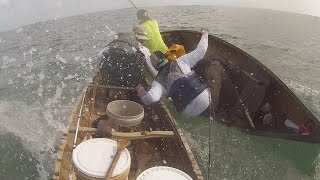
{"x":44,"y":66}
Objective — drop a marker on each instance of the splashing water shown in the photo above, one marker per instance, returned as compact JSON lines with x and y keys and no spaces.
{"x":309,"y":96}
{"x":44,"y":67}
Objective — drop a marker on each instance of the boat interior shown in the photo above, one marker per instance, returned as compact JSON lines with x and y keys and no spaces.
{"x":241,"y":69}
{"x":145,"y":153}
{"x":264,"y":87}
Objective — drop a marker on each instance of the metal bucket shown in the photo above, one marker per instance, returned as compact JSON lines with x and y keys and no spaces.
{"x":93,"y":158}
{"x":125,"y":113}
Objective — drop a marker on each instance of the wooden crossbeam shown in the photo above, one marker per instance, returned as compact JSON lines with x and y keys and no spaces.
{"x":129,"y":135}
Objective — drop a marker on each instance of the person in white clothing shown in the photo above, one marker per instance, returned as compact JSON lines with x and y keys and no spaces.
{"x":176,"y":80}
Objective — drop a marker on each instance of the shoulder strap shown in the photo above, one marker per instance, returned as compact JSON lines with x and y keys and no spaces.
{"x":163,"y":74}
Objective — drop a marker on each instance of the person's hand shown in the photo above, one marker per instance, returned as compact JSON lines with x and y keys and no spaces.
{"x":141,"y":91}
{"x":104,"y":128}
{"x":204,"y":31}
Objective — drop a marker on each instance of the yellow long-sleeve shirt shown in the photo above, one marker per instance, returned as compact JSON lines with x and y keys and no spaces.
{"x":155,"y":42}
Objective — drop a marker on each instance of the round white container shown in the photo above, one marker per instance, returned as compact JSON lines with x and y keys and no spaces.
{"x":125,"y":113}
{"x":291,"y":125}
{"x":163,"y":173}
{"x":92,"y":159}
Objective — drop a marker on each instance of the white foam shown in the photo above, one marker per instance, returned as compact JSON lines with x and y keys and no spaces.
{"x":309,"y":95}
{"x":61,"y":59}
{"x":19,"y":30}
{"x":7,"y":62}
{"x":41,"y":76}
{"x":40,"y":90}
{"x":111,"y":32}
{"x":38,"y":132}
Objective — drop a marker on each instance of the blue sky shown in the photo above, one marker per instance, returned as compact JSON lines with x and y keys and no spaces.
{"x":14,"y":13}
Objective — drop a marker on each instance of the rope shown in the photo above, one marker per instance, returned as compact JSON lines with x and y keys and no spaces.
{"x":211,"y":119}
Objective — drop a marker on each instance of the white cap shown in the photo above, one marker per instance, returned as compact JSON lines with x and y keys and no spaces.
{"x":163,"y":172}
{"x":94,"y":157}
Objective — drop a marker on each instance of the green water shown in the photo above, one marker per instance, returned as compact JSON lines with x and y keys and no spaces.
{"x":13,"y":158}
{"x":236,"y":155}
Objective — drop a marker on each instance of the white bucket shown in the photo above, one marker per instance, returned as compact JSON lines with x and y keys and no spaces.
{"x":163,"y":172}
{"x":92,"y":159}
{"x":125,"y":113}
{"x":291,"y":125}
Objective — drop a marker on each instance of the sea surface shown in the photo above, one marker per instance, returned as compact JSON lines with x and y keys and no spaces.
{"x":44,"y":66}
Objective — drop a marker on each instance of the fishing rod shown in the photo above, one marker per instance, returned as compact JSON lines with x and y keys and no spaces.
{"x":245,"y":109}
{"x":211,"y":118}
{"x":133,"y":5}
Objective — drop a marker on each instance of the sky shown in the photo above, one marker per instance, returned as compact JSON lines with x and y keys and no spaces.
{"x":15,"y":13}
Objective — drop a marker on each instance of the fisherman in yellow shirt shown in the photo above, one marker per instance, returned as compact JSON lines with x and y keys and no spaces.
{"x":154,"y":42}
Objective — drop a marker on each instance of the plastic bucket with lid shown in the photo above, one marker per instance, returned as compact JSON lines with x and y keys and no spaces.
{"x":163,"y":172}
{"x":125,"y":113}
{"x":92,"y":159}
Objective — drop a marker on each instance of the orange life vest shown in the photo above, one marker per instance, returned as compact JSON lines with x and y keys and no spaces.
{"x":175,"y":51}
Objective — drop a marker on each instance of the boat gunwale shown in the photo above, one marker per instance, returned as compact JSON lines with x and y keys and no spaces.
{"x":75,"y":109}
{"x":183,"y":140}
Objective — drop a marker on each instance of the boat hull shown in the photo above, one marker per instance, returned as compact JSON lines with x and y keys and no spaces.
{"x":285,"y":104}
{"x":172,"y":151}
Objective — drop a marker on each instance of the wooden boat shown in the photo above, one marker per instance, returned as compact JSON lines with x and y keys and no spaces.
{"x":243,"y":68}
{"x":168,"y":146}
{"x":175,"y":151}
